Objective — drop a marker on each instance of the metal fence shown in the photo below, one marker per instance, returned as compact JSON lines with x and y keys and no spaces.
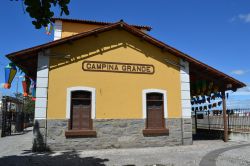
{"x":1,"y":117}
{"x":11,"y":116}
{"x":238,"y":120}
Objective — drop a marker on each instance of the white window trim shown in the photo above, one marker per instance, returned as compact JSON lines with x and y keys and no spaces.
{"x":144,"y":101}
{"x":93,"y":99}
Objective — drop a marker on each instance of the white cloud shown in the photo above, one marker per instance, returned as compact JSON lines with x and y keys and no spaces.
{"x":241,"y":17}
{"x":244,"y":17}
{"x":238,"y":103}
{"x":245,"y":91}
{"x":241,"y":94}
{"x":239,"y":72}
{"x":1,"y":85}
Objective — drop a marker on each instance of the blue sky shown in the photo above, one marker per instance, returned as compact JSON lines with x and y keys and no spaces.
{"x":215,"y":32}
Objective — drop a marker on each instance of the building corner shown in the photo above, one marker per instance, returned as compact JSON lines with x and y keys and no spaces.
{"x":40,"y":122}
{"x":187,"y":138}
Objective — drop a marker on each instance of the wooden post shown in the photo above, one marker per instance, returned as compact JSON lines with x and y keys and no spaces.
{"x":195,"y":120}
{"x":228,"y":120}
{"x":225,"y":117}
{"x":208,"y":121}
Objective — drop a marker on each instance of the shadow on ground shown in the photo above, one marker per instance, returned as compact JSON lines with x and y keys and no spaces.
{"x":205,"y":134}
{"x":25,"y":131}
{"x":27,"y":158}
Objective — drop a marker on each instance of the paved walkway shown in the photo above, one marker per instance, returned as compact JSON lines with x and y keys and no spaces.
{"x":211,"y":158}
{"x":15,"y":151}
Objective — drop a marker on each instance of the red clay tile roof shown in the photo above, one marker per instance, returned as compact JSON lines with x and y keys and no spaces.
{"x":148,"y":28}
{"x":20,"y":56}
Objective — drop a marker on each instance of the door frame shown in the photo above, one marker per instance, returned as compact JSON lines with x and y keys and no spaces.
{"x":81,"y":114}
{"x":83,"y":88}
{"x":162,"y":111}
{"x":144,"y":101}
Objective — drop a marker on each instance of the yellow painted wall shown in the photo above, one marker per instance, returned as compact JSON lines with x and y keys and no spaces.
{"x":69,"y":28}
{"x":118,"y":95}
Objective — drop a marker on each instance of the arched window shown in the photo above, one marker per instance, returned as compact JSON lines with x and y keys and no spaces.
{"x":80,"y":110}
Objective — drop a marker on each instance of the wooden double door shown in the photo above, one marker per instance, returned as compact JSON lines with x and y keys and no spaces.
{"x":81,"y":110}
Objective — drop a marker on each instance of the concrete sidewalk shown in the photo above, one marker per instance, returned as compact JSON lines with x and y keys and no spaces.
{"x":16,"y":151}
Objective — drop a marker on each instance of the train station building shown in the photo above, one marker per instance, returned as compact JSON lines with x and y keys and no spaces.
{"x":112,"y":85}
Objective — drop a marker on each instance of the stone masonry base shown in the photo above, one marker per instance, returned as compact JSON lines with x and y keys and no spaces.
{"x":115,"y":133}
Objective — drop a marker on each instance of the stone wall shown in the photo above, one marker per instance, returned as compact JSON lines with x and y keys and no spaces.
{"x":187,"y":134}
{"x":117,"y":134}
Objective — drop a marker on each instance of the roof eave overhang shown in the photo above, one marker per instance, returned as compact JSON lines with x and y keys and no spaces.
{"x":142,"y":27}
{"x":34,"y":50}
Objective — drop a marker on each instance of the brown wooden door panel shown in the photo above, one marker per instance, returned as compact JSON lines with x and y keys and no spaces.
{"x":81,"y":111}
{"x":86,"y":118}
{"x":155,"y":116}
{"x":155,"y":119}
{"x":75,"y":117}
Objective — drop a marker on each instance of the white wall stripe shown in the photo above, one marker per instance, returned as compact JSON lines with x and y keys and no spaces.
{"x":42,"y":85}
{"x":185,"y":89}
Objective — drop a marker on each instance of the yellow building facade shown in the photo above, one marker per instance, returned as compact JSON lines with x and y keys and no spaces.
{"x":111,"y":85}
{"x":108,"y":85}
{"x":118,"y":95}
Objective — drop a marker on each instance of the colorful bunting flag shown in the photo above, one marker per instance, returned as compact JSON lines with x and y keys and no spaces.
{"x":26,"y":85}
{"x":10,"y":72}
{"x":49,"y":28}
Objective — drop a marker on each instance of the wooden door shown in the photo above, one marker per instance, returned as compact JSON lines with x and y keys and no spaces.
{"x":155,"y":113}
{"x":81,"y":111}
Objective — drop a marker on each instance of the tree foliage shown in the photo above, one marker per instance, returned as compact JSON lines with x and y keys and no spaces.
{"x":28,"y":103}
{"x":40,"y":10}
{"x":29,"y":106}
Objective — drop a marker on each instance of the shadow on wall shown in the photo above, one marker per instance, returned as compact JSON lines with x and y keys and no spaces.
{"x":108,"y":44}
{"x":38,"y":140}
{"x":28,"y":158}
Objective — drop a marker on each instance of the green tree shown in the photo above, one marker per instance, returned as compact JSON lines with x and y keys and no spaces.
{"x":41,"y":12}
{"x":28,"y":103}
